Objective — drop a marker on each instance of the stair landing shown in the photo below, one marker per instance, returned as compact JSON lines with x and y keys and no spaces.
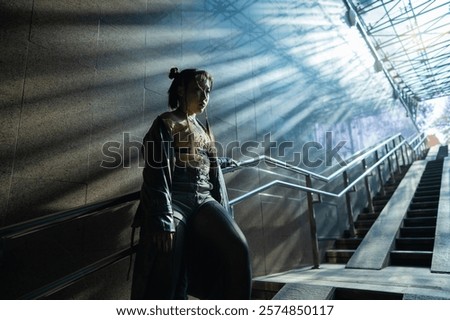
{"x":410,"y":282}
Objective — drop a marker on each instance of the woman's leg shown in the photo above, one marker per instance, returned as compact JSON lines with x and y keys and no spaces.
{"x":212,"y":229}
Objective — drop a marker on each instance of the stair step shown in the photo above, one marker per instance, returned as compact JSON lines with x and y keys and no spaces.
{"x":426,"y":193}
{"x":390,"y":189}
{"x":433,"y":167}
{"x":380,"y":202}
{"x":430,"y":181}
{"x":429,"y":185}
{"x":430,"y":198}
{"x":347,"y":243}
{"x":431,"y":212}
{"x":433,"y":188}
{"x":339,"y":255}
{"x":381,"y":197}
{"x":432,"y":172}
{"x":397,"y":176}
{"x":377,"y":208}
{"x":425,"y":244}
{"x":387,"y":194}
{"x":434,"y":163}
{"x":393,"y":185}
{"x":368,"y":216}
{"x":417,"y":231}
{"x":419,"y":222}
{"x":363,"y":223}
{"x":359,"y":233}
{"x":411,"y":258}
{"x":424,"y":205}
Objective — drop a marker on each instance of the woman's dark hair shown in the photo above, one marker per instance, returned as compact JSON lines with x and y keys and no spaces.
{"x":182,"y":79}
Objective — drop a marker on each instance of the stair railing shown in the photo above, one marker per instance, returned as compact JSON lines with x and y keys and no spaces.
{"x":390,"y":151}
{"x":416,"y":149}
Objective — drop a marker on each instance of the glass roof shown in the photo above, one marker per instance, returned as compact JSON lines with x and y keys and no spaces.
{"x":411,"y":42}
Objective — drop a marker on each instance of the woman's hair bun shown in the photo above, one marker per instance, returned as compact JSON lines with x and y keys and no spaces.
{"x":173,"y":73}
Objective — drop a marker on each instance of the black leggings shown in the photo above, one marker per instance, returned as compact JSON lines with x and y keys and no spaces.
{"x":210,"y":260}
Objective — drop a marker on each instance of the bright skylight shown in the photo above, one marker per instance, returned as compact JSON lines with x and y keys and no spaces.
{"x":412,"y":39}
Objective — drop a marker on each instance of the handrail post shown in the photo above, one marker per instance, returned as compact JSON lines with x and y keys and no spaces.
{"x":390,"y":165}
{"x":396,"y":158}
{"x":424,"y":149}
{"x":348,"y":202}
{"x":380,"y":175}
{"x":402,"y":149}
{"x":367,"y":185}
{"x":413,"y":155}
{"x":312,"y":224}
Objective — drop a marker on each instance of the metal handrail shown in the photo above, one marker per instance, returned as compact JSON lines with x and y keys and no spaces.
{"x":64,"y":282}
{"x":420,"y":142}
{"x":361,"y":159}
{"x":317,"y":176}
{"x":417,"y":136}
{"x":367,"y":172}
{"x":34,"y":225}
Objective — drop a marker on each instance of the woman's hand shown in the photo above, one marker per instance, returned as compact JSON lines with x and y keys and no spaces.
{"x":225,"y":162}
{"x":163,"y":241}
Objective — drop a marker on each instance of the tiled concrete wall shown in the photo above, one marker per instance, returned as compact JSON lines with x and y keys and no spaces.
{"x":78,"y":74}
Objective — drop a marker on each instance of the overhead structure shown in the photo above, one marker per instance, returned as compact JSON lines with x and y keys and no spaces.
{"x":410,"y":40}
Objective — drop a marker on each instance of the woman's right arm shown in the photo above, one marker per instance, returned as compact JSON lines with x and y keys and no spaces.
{"x":156,"y":198}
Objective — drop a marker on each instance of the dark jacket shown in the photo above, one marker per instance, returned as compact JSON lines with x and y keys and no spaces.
{"x":155,"y":208}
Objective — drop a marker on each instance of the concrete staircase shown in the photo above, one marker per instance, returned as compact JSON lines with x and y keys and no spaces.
{"x":400,"y":250}
{"x":344,"y":247}
{"x":415,"y":241}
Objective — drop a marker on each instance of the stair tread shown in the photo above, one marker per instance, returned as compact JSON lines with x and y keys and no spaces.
{"x":347,"y":243}
{"x":427,"y":202}
{"x":380,"y":202}
{"x":417,"y":243}
{"x":364,"y":223}
{"x":341,"y":250}
{"x":349,"y":239}
{"x":422,"y":188}
{"x":417,"y":228}
{"x":419,"y":221}
{"x":417,"y":252}
{"x":367,"y":216}
{"x":417,"y":231}
{"x":422,"y":213}
{"x":415,"y":238}
{"x":420,"y":218}
{"x":430,"y":198}
{"x":425,"y":193}
{"x":424,"y":205}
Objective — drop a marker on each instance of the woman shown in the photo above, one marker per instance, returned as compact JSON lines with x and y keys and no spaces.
{"x":189,"y":244}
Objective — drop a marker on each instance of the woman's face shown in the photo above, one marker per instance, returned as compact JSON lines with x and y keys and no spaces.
{"x":197,"y":95}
